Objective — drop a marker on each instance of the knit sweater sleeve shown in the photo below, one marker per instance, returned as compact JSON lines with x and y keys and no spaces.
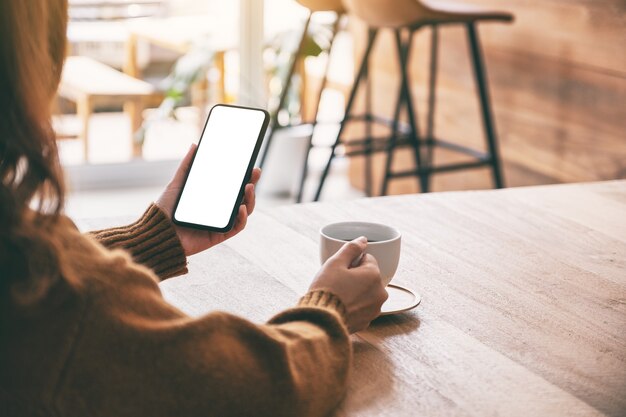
{"x":151,"y":241}
{"x":138,"y":355}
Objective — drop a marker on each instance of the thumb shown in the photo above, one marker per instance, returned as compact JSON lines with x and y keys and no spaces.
{"x":185,"y":164}
{"x":351,"y":251}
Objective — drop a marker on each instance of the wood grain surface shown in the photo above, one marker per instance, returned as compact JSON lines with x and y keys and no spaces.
{"x":523,"y":290}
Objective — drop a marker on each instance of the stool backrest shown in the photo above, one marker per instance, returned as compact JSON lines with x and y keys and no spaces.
{"x":323,"y":5}
{"x":387,"y":13}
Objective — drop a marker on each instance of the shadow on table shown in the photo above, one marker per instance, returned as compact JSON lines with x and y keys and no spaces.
{"x":395,"y":324}
{"x":371,"y":380}
{"x":373,"y":374}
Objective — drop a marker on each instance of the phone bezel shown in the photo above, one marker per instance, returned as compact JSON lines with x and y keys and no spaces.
{"x":246,"y":178}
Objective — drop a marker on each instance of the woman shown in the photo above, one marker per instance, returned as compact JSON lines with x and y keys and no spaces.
{"x":84,"y":330}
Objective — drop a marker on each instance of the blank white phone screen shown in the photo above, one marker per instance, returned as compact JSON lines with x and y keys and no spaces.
{"x":219,"y":167}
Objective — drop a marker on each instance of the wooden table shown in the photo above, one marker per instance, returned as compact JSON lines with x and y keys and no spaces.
{"x":102,"y":84}
{"x":179,"y":34}
{"x":523,"y":290}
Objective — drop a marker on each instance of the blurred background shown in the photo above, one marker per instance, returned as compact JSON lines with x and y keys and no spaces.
{"x":141,"y":76}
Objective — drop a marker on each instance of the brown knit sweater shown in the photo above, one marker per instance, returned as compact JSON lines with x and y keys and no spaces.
{"x":103,"y":342}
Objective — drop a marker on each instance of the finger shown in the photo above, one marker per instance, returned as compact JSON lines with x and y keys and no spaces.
{"x":250,"y":198}
{"x":255,"y":176}
{"x":184,"y":166}
{"x":369,"y":261}
{"x":370,"y":267}
{"x":246,"y":195}
{"x":243,"y":219}
{"x":385,"y":297}
{"x":349,"y":252}
{"x":365,"y":261}
{"x":240,"y":222}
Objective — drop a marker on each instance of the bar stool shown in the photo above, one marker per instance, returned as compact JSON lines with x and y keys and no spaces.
{"x":405,"y":18}
{"x":314,"y":6}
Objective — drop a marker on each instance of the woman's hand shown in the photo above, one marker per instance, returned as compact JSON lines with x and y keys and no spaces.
{"x":360,"y":287}
{"x":194,"y":240}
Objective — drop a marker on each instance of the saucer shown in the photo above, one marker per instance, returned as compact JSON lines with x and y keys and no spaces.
{"x":400,"y":300}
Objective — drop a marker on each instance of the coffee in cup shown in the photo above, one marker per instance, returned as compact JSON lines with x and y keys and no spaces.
{"x":383,"y":243}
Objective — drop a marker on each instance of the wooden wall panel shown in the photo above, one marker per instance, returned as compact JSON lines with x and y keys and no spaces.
{"x":558,"y":85}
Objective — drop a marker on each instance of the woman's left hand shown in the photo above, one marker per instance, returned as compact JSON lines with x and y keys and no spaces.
{"x":194,"y":240}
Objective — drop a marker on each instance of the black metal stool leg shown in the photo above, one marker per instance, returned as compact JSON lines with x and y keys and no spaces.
{"x":432,"y":86}
{"x":305,"y":167}
{"x":355,"y":87}
{"x":367,"y":145}
{"x":285,"y":91}
{"x":392,"y":142}
{"x":487,"y":115}
{"x":404,"y":48}
{"x":394,"y":134}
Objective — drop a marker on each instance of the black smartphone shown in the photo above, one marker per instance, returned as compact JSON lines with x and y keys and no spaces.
{"x":221,"y":168}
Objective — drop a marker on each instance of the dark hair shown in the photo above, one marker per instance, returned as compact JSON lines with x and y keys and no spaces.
{"x":32,"y":50}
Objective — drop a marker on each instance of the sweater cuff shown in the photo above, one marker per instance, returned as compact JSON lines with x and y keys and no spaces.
{"x":324,"y":299}
{"x":152,"y":241}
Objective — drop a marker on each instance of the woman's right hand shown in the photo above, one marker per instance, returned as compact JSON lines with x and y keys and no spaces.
{"x":359,"y":287}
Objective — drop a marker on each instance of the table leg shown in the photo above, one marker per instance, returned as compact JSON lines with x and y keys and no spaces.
{"x":134,"y":109}
{"x":130,"y":63}
{"x":199,"y":91}
{"x":220,"y":64}
{"x":83,"y":110}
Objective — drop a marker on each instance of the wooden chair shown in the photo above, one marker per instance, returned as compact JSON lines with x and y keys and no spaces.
{"x":88,"y":82}
{"x":405,"y":18}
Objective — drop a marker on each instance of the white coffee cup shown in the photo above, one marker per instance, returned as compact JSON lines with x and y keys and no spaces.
{"x":383,"y":243}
